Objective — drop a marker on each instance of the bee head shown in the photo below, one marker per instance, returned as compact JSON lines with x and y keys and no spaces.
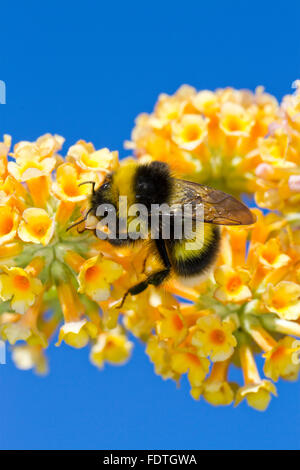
{"x":103,"y":195}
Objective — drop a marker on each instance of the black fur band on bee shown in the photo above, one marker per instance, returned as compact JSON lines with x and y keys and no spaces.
{"x":152,"y":184}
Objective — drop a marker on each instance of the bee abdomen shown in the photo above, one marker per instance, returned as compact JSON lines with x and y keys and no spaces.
{"x":189,"y":263}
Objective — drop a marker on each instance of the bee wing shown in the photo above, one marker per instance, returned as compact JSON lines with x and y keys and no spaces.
{"x":218,"y":207}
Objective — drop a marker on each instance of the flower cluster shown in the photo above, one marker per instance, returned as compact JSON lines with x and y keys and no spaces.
{"x":67,"y":285}
{"x":52,"y":280}
{"x":209,"y":137}
{"x":278,"y":167}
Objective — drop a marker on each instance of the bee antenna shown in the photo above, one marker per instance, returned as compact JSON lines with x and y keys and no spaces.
{"x":89,"y":182}
{"x":80,"y":221}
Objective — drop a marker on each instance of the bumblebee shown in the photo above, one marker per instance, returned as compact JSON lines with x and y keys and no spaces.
{"x":152,"y":184}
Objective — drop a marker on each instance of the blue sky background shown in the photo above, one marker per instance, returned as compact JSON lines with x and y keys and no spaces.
{"x":85,"y":70}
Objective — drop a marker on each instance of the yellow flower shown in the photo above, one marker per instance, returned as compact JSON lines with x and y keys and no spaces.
{"x":283,"y":299}
{"x":167,"y":110}
{"x":44,"y":147}
{"x":256,"y":391}
{"x":77,"y":333}
{"x":96,"y":276}
{"x":49,"y":145}
{"x":20,"y":287}
{"x":28,"y":169}
{"x":280,"y":360}
{"x":21,"y":331}
{"x":28,"y":357}
{"x":159,"y":353}
{"x":281,"y":356}
{"x":141,"y":313}
{"x":13,"y":332}
{"x":36,"y":226}
{"x":196,"y":367}
{"x":112,"y":347}
{"x":172,"y":325}
{"x":206,"y":102}
{"x":273,"y":148}
{"x":235,"y":120}
{"x":216,"y":390}
{"x":9,"y":219}
{"x":71,"y":306}
{"x":25,"y":327}
{"x":68,"y":179}
{"x":258,"y":395}
{"x":12,"y":193}
{"x":233,"y":285}
{"x":271,"y":256}
{"x":218,"y":393}
{"x":213,"y":337}
{"x":87,"y":158}
{"x":189,"y":132}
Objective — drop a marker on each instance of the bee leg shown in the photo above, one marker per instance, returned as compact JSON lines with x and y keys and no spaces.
{"x":154,"y":279}
{"x":80,"y":221}
{"x":145,"y":263}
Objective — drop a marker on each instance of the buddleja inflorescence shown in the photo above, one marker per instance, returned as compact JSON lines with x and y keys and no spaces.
{"x":59,"y":285}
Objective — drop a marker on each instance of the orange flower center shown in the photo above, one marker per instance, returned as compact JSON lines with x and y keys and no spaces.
{"x":233,"y":123}
{"x":71,"y":189}
{"x":177,"y":322}
{"x":192,"y":358}
{"x":21,"y":282}
{"x":92,"y":273}
{"x":217,"y":336}
{"x":269,"y":256}
{"x":278,"y":353}
{"x":6,"y":225}
{"x":234,"y":283}
{"x":191,"y":133}
{"x":39,"y":230}
{"x":278,"y":302}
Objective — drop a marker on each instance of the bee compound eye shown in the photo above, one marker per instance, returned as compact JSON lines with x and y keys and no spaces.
{"x":105,"y":186}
